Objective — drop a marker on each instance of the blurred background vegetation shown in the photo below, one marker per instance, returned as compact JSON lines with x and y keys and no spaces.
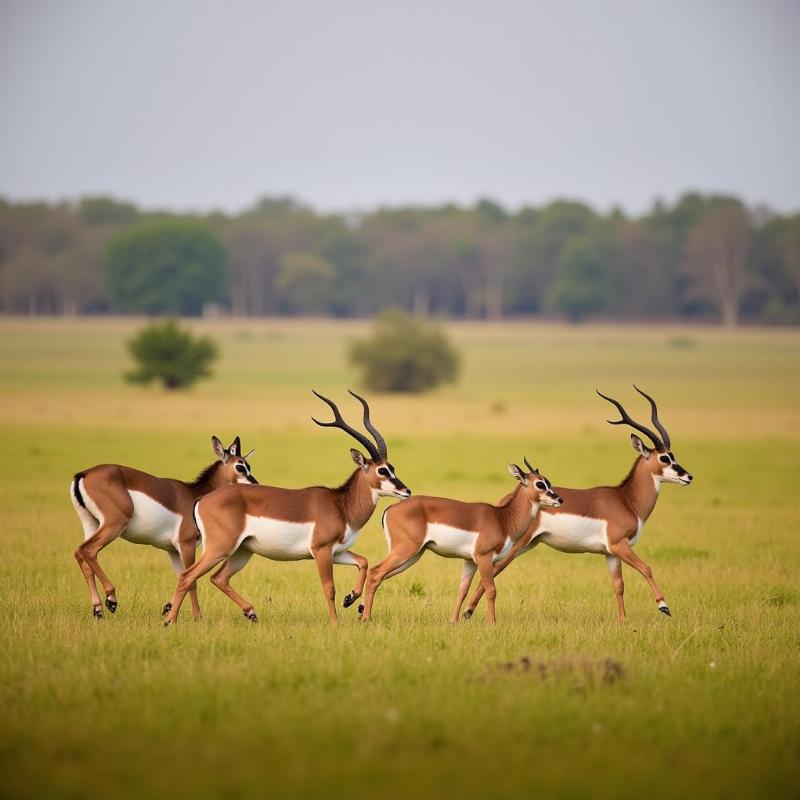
{"x":704,"y":257}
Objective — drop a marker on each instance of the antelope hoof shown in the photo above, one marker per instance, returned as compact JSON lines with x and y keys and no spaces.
{"x":360,"y":609}
{"x":167,"y":608}
{"x":349,"y":600}
{"x":468,"y":613}
{"x":97,"y":612}
{"x":251,"y":615}
{"x":665,"y":610}
{"x":111,"y":605}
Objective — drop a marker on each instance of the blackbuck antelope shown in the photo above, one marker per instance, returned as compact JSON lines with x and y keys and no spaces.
{"x":479,"y":533}
{"x":112,"y":500}
{"x":608,"y":520}
{"x":293,"y":524}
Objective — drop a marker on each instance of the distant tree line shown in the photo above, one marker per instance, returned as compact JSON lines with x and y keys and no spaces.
{"x":703,"y":257}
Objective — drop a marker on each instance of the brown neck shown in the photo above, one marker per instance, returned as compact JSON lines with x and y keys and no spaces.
{"x":206,"y":481}
{"x":356,"y":500}
{"x":516,"y":513}
{"x":639,"y":489}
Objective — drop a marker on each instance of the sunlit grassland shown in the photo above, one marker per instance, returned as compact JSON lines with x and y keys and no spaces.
{"x":707,"y":702}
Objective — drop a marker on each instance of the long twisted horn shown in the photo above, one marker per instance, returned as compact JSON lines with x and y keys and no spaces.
{"x":530,"y":468}
{"x":379,"y":440}
{"x":628,"y":420}
{"x":338,"y":422}
{"x":654,"y":416}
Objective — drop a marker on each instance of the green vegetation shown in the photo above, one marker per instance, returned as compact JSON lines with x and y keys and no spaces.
{"x":165,"y":267}
{"x":404,"y":354}
{"x":703,"y":257}
{"x":556,"y":701}
{"x":167,"y":353}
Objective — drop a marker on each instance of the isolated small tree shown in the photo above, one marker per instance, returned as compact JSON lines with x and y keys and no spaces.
{"x":170,"y":354}
{"x":404,"y":354}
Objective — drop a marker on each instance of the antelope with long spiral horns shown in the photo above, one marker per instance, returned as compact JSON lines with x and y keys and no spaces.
{"x":294,"y":524}
{"x":112,"y":500}
{"x":608,"y":520}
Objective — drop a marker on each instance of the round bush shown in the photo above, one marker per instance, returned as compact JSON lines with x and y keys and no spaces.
{"x":404,"y":354}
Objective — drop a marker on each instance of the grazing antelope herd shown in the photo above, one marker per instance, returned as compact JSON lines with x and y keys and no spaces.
{"x":232,"y":517}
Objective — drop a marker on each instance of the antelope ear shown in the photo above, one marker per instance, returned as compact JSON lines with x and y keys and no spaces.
{"x":640,"y":447}
{"x":516,"y":472}
{"x":236,"y":447}
{"x":219,"y":450}
{"x":359,"y":459}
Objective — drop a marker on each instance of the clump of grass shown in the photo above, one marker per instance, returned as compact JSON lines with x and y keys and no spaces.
{"x":416,"y":589}
{"x":780,"y":597}
{"x":682,"y":343}
{"x":582,"y":672}
{"x":498,"y":408}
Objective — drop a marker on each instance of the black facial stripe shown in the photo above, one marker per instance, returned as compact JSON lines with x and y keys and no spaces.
{"x":679,"y":469}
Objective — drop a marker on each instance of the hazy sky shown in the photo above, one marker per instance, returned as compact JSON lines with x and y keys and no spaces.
{"x":194,"y":104}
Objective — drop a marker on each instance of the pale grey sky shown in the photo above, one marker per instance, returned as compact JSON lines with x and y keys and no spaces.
{"x":195,"y":105}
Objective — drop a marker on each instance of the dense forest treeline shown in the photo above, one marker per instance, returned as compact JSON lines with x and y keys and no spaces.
{"x":703,"y":257}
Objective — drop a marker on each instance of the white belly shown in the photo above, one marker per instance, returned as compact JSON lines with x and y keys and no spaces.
{"x":450,"y":542}
{"x":152,"y":523}
{"x":277,"y":539}
{"x":572,"y":533}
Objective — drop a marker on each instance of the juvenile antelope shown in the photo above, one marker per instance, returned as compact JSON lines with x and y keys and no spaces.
{"x":293,"y":524}
{"x":608,"y":520}
{"x":478,"y":533}
{"x":112,"y":500}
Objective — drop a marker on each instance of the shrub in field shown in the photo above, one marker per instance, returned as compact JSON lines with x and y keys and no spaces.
{"x":165,"y":352}
{"x":404,"y":354}
{"x":165,"y":267}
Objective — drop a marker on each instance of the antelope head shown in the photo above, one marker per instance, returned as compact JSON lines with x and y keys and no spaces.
{"x":235,"y":467}
{"x":538,"y":488}
{"x":658,"y":458}
{"x":379,"y":473}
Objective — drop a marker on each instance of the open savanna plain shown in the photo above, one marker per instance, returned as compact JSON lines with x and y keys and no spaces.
{"x":556,"y":700}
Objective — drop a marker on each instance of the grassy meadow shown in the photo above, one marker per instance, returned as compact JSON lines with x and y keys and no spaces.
{"x":556,"y":700}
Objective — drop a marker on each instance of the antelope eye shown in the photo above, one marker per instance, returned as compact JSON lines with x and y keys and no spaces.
{"x":383,"y":472}
{"x":664,"y":459}
{"x":241,"y":468}
{"x":540,"y":485}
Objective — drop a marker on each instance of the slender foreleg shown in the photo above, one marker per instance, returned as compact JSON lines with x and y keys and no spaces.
{"x":467,"y":574}
{"x":354,"y":560}
{"x":624,"y":551}
{"x":222,"y":580}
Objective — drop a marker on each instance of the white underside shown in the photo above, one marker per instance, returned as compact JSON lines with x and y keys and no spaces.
{"x":450,"y":542}
{"x":152,"y":523}
{"x":572,"y":533}
{"x":285,"y":541}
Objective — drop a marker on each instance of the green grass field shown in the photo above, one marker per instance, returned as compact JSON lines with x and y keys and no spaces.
{"x":704,"y":704}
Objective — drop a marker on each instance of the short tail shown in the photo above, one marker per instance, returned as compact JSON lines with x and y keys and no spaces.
{"x":76,"y":488}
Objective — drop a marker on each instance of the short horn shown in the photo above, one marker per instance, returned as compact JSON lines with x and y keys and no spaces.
{"x":530,"y":468}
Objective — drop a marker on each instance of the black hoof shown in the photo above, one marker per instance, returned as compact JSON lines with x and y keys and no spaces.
{"x":97,"y":612}
{"x":251,"y":615}
{"x":111,"y":605}
{"x":167,"y":608}
{"x":467,"y":614}
{"x":349,"y":600}
{"x":360,"y":609}
{"x":665,"y":610}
